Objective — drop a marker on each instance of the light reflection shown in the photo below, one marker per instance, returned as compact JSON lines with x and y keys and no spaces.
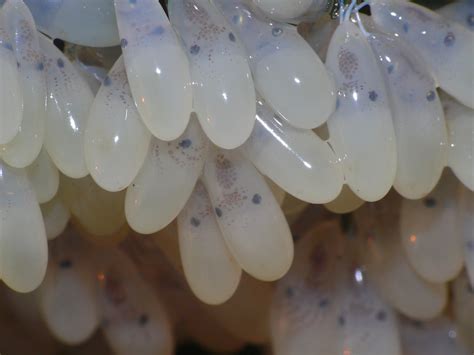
{"x":224,"y":95}
{"x":73,"y":125}
{"x":116,"y":139}
{"x":359,"y":276}
{"x":355,"y":96}
{"x":297,"y":80}
{"x":158,"y":71}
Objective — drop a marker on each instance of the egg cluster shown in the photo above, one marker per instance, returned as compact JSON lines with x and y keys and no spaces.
{"x":210,"y":131}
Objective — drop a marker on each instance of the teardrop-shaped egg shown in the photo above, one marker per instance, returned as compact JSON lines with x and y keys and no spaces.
{"x":100,"y":212}
{"x":287,"y":72}
{"x":297,"y":160}
{"x":166,"y":180}
{"x":460,"y":121}
{"x":116,"y":141}
{"x":157,"y":67}
{"x":68,"y":299}
{"x":11,"y":94}
{"x":55,"y":216}
{"x":304,"y":318}
{"x":345,"y":202}
{"x":133,"y":319}
{"x":417,"y":115}
{"x":388,"y":267}
{"x":44,"y":177}
{"x":209,"y":267}
{"x":361,"y":129}
{"x":250,"y":219}
{"x":23,"y":243}
{"x":69,"y":101}
{"x":25,"y":147}
{"x":86,"y":22}
{"x":445,"y":46}
{"x":224,"y":94}
{"x":429,"y":229}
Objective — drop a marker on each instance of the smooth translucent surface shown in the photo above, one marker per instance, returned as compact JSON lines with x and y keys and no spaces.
{"x":224,"y":94}
{"x":287,"y":72}
{"x":466,"y":228}
{"x":461,"y":11}
{"x":297,"y":160}
{"x":23,"y":243}
{"x":284,"y":9}
{"x":345,"y":202}
{"x":157,"y":67}
{"x":166,"y":180}
{"x":418,"y":118}
{"x":388,"y":267}
{"x":361,"y":129}
{"x":438,"y":337}
{"x":26,"y":145}
{"x":67,"y":296}
{"x":100,"y":212}
{"x":11,"y":95}
{"x":250,"y":218}
{"x":304,"y":319}
{"x":116,"y":141}
{"x":44,"y":177}
{"x":134,"y":321}
{"x":55,"y":216}
{"x":430,"y":233}
{"x":445,"y":46}
{"x":69,"y":101}
{"x":460,"y":121}
{"x":86,"y":22}
{"x":209,"y":267}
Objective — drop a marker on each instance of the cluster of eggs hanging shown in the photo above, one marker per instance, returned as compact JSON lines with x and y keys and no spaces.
{"x":200,"y":109}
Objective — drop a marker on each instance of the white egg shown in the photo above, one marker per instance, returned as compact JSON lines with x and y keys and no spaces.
{"x":55,"y":216}
{"x":361,"y":129}
{"x":166,"y":180}
{"x":298,"y":160}
{"x":287,"y":72}
{"x":157,"y":67}
{"x":445,"y":46}
{"x":23,"y":243}
{"x":249,"y":217}
{"x":69,"y":101}
{"x":209,"y":267}
{"x":115,"y":140}
{"x":461,"y":11}
{"x":224,"y":94}
{"x":25,"y":147}
{"x":418,"y":117}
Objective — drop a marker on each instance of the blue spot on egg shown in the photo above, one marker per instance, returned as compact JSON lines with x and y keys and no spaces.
{"x":406,"y":27}
{"x":195,"y":222}
{"x":277,"y":31}
{"x":218,"y":212}
{"x":373,"y":95}
{"x":231,"y":37}
{"x":390,"y":68}
{"x":470,"y":20}
{"x":256,"y":199}
{"x":60,"y":63}
{"x":8,"y":46}
{"x":40,"y":66}
{"x":431,"y":96}
{"x":159,"y":30}
{"x":450,"y":39}
{"x":185,"y":143}
{"x":123,"y":42}
{"x":194,"y":49}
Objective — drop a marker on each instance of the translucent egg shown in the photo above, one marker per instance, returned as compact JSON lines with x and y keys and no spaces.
{"x":115,"y":140}
{"x":361,"y":129}
{"x":297,"y":160}
{"x":55,"y":216}
{"x":224,"y":94}
{"x":209,"y":267}
{"x":287,"y":72}
{"x":157,"y":67}
{"x":44,"y":177}
{"x":250,"y":218}
{"x":445,"y":46}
